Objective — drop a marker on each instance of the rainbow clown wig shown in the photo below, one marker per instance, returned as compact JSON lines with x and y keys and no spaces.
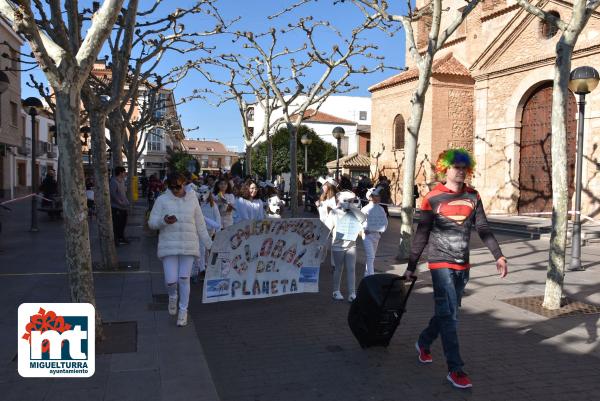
{"x":450,"y":157}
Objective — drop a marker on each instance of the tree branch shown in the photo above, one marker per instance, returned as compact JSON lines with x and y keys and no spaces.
{"x":102,"y":24}
{"x":538,"y":12}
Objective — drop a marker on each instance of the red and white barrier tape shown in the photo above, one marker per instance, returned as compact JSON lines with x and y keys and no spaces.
{"x":25,"y":197}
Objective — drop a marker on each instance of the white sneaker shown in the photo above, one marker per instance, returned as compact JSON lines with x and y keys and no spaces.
{"x":337,"y":296}
{"x":352,"y":297}
{"x":172,"y":306}
{"x":182,"y":318}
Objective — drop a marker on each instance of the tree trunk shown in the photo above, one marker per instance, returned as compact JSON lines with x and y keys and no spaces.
{"x":269,"y":158}
{"x":560,"y":202}
{"x":248,"y":159}
{"x":293,"y":170}
{"x":102,"y":193}
{"x":410,"y":159}
{"x":117,"y":130}
{"x":78,"y":255}
{"x":131,"y":168}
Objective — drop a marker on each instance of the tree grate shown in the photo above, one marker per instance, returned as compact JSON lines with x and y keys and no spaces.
{"x":570,"y":307}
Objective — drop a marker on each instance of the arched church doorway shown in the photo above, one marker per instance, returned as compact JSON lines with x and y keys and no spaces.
{"x":535,"y":166}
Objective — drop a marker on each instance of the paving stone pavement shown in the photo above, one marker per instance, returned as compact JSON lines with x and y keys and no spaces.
{"x":169,"y":363}
{"x":299,"y":347}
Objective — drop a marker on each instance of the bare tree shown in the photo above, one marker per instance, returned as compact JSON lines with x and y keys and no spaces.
{"x":155,"y":36}
{"x":100,"y":97}
{"x":378,"y":10}
{"x":67,"y":59}
{"x":293,"y":93}
{"x":243,"y":80}
{"x":570,"y":31}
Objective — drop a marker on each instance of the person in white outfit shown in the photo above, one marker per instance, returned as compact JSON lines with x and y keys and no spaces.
{"x":346,"y":224}
{"x":256,"y":205}
{"x":249,"y":206}
{"x":225,"y":201}
{"x":178,"y":217}
{"x":327,"y":202}
{"x":375,"y":224}
{"x":212,"y":218}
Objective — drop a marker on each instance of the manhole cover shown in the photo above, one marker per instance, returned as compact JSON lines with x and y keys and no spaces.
{"x":569,"y":307}
{"x":119,"y":337}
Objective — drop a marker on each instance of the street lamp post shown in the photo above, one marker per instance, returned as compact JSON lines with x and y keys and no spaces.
{"x":34,"y":104}
{"x":338,"y":134}
{"x":305,"y":141}
{"x":582,"y":81}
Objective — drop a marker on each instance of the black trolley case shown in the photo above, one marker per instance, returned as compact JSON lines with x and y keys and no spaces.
{"x":376,"y":312}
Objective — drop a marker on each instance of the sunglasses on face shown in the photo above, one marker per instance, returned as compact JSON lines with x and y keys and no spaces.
{"x":175,"y":187}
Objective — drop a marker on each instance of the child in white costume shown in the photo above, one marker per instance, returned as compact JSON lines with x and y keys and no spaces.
{"x":375,"y":224}
{"x":212,"y":218}
{"x":327,"y":202}
{"x":346,"y":223}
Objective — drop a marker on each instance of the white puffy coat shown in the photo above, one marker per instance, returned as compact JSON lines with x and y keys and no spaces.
{"x":181,"y":237}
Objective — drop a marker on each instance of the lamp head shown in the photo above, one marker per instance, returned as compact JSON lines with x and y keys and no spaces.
{"x":33,"y":104}
{"x":583,"y":80}
{"x":305,"y":140}
{"x":338,"y":133}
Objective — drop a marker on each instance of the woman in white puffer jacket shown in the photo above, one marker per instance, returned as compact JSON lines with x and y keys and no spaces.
{"x":179,"y":218}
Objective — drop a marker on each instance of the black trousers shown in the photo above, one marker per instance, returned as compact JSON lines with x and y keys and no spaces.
{"x":119,"y":218}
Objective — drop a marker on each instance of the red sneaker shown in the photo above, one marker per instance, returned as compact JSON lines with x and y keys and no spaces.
{"x":459,"y":379}
{"x":424,"y":355}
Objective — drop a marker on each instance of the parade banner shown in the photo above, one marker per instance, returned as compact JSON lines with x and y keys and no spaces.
{"x":265,"y":258}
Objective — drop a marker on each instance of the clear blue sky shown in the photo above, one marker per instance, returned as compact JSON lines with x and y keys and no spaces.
{"x":224,"y":123}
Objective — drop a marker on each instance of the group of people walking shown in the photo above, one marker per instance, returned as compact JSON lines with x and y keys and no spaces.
{"x":341,"y":212}
{"x":188,"y":215}
{"x":192,"y":210}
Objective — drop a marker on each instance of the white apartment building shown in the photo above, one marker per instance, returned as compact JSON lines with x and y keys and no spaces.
{"x":352,"y":113}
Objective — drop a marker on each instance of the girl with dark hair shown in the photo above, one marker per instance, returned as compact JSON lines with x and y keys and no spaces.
{"x":254,"y":204}
{"x":178,"y":217}
{"x":225,"y":201}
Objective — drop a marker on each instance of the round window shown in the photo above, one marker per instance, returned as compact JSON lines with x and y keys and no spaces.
{"x":548,"y":29}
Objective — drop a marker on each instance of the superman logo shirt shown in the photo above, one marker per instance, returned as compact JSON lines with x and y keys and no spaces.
{"x":447,"y":218}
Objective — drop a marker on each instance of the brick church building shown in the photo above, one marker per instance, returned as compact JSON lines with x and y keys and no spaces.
{"x":491,"y":92}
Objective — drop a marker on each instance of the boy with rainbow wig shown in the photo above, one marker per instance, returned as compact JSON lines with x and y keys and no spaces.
{"x":448,"y":213}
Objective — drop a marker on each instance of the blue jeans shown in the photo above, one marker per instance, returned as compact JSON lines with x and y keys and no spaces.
{"x":448,"y":287}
